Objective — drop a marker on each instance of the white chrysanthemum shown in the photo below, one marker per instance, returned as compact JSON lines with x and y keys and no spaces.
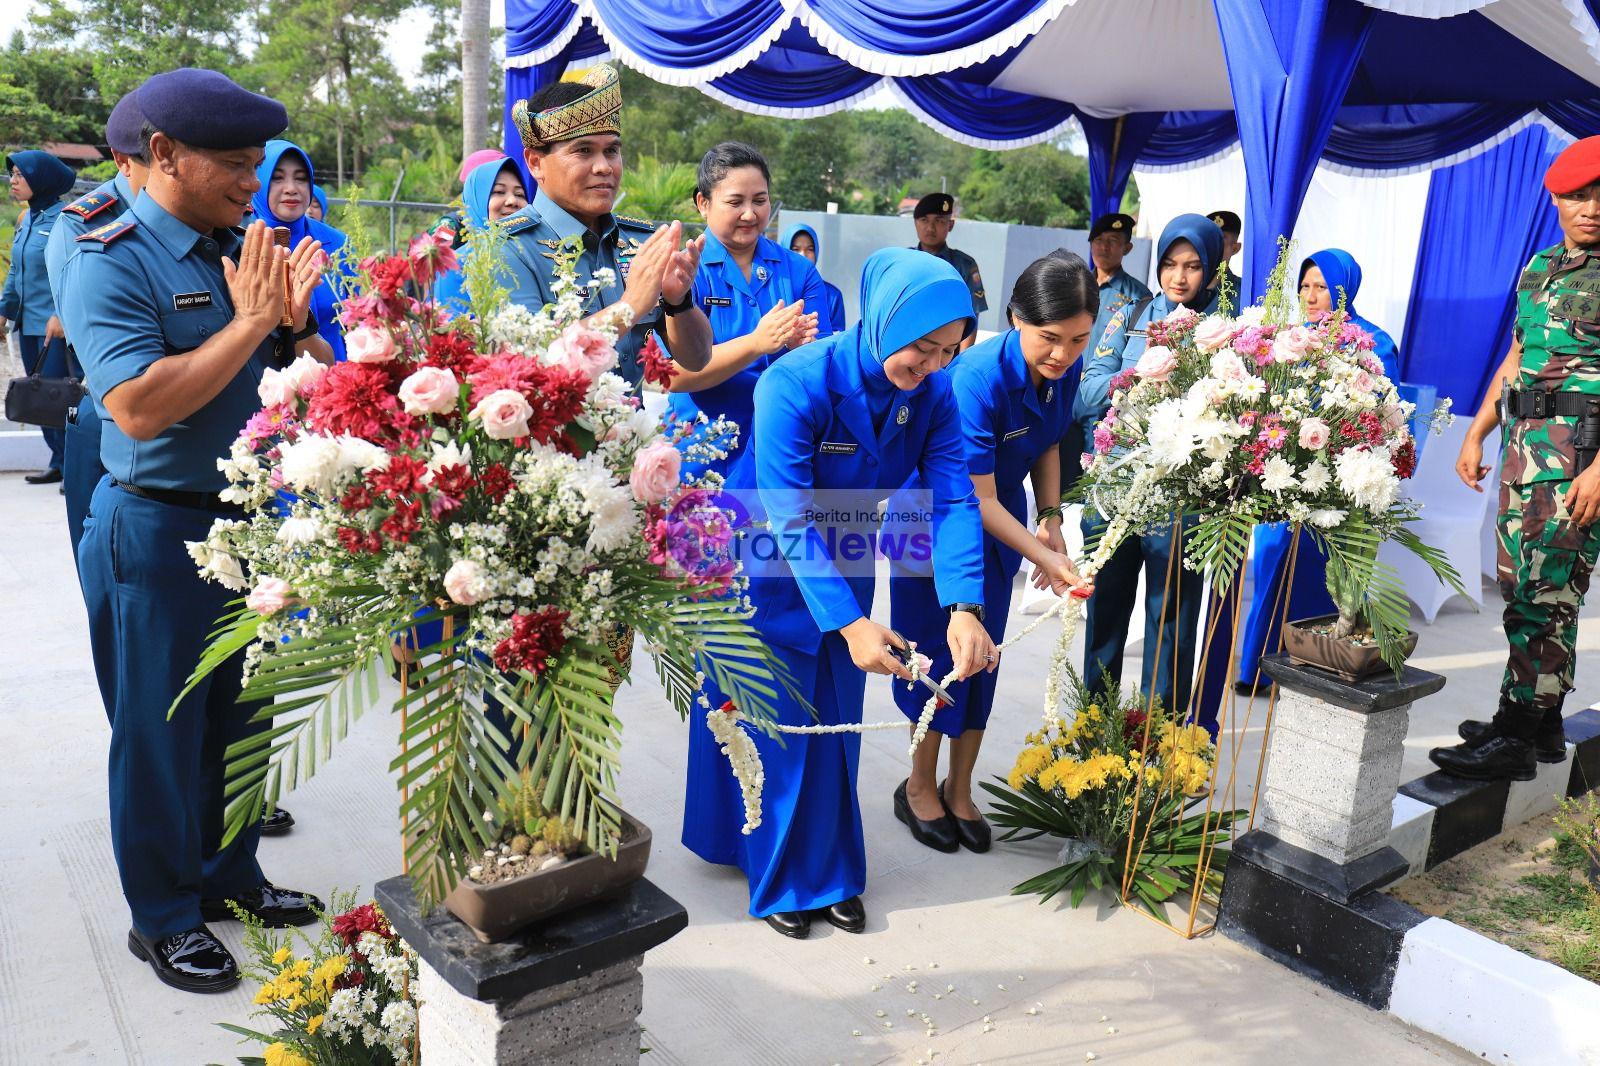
{"x":1326,"y":518}
{"x":360,"y":456}
{"x":298,"y":531}
{"x":1252,"y":315}
{"x":1171,"y":434}
{"x":450,"y":453}
{"x":310,"y":464}
{"x":612,"y":518}
{"x":1367,"y":477}
{"x":216,"y":565}
{"x":1316,"y":478}
{"x":1277,"y":475}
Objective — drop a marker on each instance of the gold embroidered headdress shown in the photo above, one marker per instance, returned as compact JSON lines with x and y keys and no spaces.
{"x":594,"y":112}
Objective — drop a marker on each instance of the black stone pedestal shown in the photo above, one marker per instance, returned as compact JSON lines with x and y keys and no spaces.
{"x":565,"y":993}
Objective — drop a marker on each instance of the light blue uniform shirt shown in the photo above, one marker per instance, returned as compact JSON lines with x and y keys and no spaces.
{"x":160,"y":292}
{"x":1123,"y":289}
{"x":94,"y":209}
{"x":536,"y":234}
{"x":1115,"y":351}
{"x":26,"y":298}
{"x":735,"y":304}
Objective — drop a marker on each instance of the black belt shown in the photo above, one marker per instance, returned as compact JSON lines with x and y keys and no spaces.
{"x":199,"y":501}
{"x":1541,"y":404}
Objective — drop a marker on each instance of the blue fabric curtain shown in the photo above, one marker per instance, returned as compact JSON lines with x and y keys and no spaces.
{"x":523,"y":82}
{"x":795,"y":73}
{"x":1114,"y":146}
{"x":983,"y":111}
{"x":688,"y":33}
{"x":531,"y":24}
{"x":1484,"y":220}
{"x":927,"y":27}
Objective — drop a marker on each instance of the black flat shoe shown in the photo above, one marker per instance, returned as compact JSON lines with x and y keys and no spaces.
{"x":795,"y":924}
{"x":847,"y":914}
{"x":194,"y":961}
{"x":275,"y":907}
{"x":46,"y":477}
{"x":1499,"y":757}
{"x":939,"y":834}
{"x":973,"y":835}
{"x":277,"y":823}
{"x":1549,"y":746}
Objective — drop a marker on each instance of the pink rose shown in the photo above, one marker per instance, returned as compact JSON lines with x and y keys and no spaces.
{"x":1313,"y":433}
{"x":1291,"y":345}
{"x":463,"y":582}
{"x":1156,"y":364}
{"x":1180,"y":317}
{"x":269,"y":596}
{"x":655,"y":472}
{"x":368,"y":345}
{"x":1394,"y":416}
{"x":276,"y":387}
{"x":504,"y":414}
{"x":581,"y":348}
{"x":430,"y":390}
{"x":1362,"y":382}
{"x":1213,"y":333}
{"x":305,"y":372}
{"x":1227,"y":366}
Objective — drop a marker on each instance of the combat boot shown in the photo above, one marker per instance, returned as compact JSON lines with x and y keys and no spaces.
{"x":1499,"y":757}
{"x":1549,"y":741}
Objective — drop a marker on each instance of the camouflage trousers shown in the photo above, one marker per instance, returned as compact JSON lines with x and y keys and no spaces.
{"x":1543,"y":564}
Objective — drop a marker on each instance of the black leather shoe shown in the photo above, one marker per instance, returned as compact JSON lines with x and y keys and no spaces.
{"x":796,"y":924}
{"x":277,"y":823}
{"x":275,"y":907}
{"x":1496,"y":758}
{"x":939,"y":834}
{"x":44,"y":477}
{"x":194,"y":961}
{"x":1549,"y":746}
{"x":973,"y":835}
{"x":847,"y":914}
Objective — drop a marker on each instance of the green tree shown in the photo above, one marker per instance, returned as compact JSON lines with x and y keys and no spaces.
{"x":128,"y":40}
{"x":656,"y":190}
{"x":59,"y":81}
{"x":1040,"y":185}
{"x":25,"y":120}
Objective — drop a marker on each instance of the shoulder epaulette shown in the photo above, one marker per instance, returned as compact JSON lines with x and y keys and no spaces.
{"x":110,"y":231}
{"x":629,"y":220}
{"x":519,"y":222}
{"x":91,"y":204}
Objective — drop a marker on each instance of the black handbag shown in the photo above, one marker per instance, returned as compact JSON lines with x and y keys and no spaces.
{"x":41,"y":401}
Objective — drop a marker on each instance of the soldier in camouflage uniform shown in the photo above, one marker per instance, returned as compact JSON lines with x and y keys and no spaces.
{"x":1549,"y":485}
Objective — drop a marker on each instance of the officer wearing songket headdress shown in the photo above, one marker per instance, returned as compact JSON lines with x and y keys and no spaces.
{"x":1547,"y":393}
{"x":572,"y":145}
{"x":184,"y":320}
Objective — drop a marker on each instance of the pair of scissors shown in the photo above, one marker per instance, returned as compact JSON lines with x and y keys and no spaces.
{"x":904,"y":654}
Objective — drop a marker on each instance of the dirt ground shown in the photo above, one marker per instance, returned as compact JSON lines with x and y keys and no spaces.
{"x":1528,"y":889}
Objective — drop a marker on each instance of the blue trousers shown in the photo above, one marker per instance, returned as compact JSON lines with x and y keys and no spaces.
{"x":81,"y":469}
{"x":809,"y":851}
{"x":47,"y":360}
{"x":165,"y":777}
{"x":1110,"y":610}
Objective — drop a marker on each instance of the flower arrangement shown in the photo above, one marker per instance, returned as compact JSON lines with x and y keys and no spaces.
{"x":1234,"y":421}
{"x":489,"y":473}
{"x":1121,"y":768}
{"x":347,"y":996}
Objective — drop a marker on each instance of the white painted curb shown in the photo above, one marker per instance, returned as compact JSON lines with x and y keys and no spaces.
{"x":1494,"y":1001}
{"x":23,"y":450}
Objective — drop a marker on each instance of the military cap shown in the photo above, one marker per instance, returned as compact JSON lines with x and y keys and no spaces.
{"x":1113,"y":223}
{"x":1227,"y":222}
{"x":1577,"y":165}
{"x":207,"y":109}
{"x":125,"y":125}
{"x":935,"y":203}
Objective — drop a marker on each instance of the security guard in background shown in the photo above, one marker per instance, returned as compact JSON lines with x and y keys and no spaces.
{"x":183,"y":322}
{"x":1232,"y":241}
{"x":934,"y":217}
{"x":572,"y":144}
{"x":1548,"y":391}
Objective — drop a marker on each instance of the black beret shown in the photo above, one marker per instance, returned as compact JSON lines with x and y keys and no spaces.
{"x":1112,"y":223}
{"x":935,"y":203}
{"x":1227,"y":222}
{"x":125,"y":125}
{"x":207,"y":109}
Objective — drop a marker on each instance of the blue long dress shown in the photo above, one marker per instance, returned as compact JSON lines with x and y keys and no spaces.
{"x":1006,"y":425}
{"x":830,"y":426}
{"x":1308,"y":592}
{"x":330,"y":290}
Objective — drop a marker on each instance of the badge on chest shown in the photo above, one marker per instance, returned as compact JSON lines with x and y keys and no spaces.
{"x":1014,"y":434}
{"x":185,"y":301}
{"x":837,"y":447}
{"x":718,"y":301}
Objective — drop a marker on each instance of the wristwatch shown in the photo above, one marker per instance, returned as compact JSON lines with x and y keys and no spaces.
{"x":975,"y":609}
{"x":678,"y":308}
{"x":307,"y":333}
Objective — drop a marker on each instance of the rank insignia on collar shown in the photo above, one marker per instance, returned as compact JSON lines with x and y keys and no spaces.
{"x":1049,"y":393}
{"x":903,"y":416}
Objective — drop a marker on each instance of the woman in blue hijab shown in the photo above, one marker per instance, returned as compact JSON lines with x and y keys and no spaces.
{"x":286,"y":180}
{"x":318,"y":208}
{"x":839,"y":425}
{"x":1187,"y":256}
{"x":801,"y":239}
{"x":491,"y":191}
{"x":38,"y":179}
{"x":1326,"y":278}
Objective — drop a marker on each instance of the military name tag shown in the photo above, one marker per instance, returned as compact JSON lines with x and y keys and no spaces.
{"x":718,"y":301}
{"x":1014,"y":434}
{"x":184,"y":301}
{"x":833,"y":447}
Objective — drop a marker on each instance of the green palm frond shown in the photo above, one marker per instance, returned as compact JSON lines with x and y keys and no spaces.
{"x":1218,"y":544}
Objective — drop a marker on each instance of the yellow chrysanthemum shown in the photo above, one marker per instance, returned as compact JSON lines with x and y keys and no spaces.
{"x":1058,"y":773}
{"x":1030,"y":761}
{"x":281,"y":956}
{"x":314,"y":1024}
{"x":281,"y":1054}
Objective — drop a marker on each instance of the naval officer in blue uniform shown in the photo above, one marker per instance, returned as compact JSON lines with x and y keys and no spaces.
{"x":838,"y":426}
{"x":762,"y":299}
{"x":184,"y":323}
{"x":81,"y":467}
{"x":572,"y":144}
{"x":1015,"y":393}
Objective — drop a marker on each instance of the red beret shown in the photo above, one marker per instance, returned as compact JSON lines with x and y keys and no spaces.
{"x":1576,"y":166}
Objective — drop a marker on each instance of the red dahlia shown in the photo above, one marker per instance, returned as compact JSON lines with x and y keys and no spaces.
{"x":535,"y":639}
{"x":354,"y":398}
{"x":655,"y":364}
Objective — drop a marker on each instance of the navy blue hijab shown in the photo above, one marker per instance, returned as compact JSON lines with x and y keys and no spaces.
{"x":48,"y":177}
{"x":1206,"y":239}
